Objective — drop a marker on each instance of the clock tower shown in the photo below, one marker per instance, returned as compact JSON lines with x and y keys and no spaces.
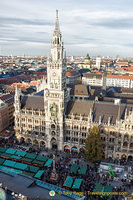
{"x":55,"y":93}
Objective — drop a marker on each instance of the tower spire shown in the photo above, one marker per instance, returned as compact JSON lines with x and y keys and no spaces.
{"x":57,"y":23}
{"x":56,"y":14}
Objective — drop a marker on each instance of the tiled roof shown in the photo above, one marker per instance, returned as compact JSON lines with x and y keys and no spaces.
{"x":7,"y":98}
{"x":119,"y":76}
{"x":79,"y":90}
{"x":106,"y":110}
{"x":93,"y":75}
{"x":32,"y":102}
{"x":79,"y":108}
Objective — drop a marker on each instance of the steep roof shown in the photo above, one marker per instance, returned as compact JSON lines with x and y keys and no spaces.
{"x":35,"y":102}
{"x":7,"y":98}
{"x":79,"y":90}
{"x":106,"y":110}
{"x":78,"y":108}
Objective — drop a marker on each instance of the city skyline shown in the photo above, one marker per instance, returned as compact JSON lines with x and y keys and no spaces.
{"x":98,"y":28}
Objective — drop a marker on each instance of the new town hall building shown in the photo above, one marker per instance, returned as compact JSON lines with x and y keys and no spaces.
{"x":61,"y":118}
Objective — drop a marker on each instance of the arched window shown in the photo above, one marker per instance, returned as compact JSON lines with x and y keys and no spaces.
{"x":125,"y":144}
{"x":131,"y":145}
{"x":53,"y":126}
{"x":53,"y":133}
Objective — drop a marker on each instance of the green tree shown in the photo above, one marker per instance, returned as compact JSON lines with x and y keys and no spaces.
{"x":93,"y":146}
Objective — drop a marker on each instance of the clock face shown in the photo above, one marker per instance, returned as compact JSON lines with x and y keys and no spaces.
{"x":54,"y":74}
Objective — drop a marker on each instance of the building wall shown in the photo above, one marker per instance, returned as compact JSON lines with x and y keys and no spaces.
{"x":4,"y":118}
{"x":30,"y":126}
{"x":92,"y":81}
{"x":11,"y":113}
{"x":117,"y":139}
{"x":116,"y":82}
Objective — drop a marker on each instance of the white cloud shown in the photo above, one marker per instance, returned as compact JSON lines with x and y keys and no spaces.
{"x":95,"y":27}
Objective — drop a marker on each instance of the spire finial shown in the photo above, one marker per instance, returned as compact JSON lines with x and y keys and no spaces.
{"x":56,"y":14}
{"x":57,"y":23}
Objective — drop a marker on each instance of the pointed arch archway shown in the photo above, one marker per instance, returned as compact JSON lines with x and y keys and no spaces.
{"x":53,"y":143}
{"x":74,"y":149}
{"x":123,"y":157}
{"x":29,"y":141}
{"x":35,"y":143}
{"x":42,"y":144}
{"x":21,"y":140}
{"x":66,"y":148}
{"x":131,"y":145}
{"x":130,"y":158}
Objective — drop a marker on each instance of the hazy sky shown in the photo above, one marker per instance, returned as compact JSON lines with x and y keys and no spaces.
{"x":98,"y":27}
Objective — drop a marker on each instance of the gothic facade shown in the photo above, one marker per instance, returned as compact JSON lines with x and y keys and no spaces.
{"x":62,"y":117}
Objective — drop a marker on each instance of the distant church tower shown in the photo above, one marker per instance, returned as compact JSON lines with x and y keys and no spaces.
{"x":55,"y":94}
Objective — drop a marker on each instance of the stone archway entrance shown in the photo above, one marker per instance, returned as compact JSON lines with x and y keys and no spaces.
{"x":123,"y":157}
{"x":74,"y":149}
{"x":42,"y":144}
{"x":81,"y":150}
{"x":66,"y":148}
{"x":29,"y":141}
{"x":35,"y":143}
{"x":130,"y":158}
{"x":53,"y":143}
{"x":21,"y":140}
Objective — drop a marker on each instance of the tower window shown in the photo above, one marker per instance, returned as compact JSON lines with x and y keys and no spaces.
{"x":58,"y":55}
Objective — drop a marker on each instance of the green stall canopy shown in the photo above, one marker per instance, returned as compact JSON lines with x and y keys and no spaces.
{"x":7,"y":169}
{"x":16,"y":157}
{"x":77,"y":183}
{"x":107,"y":188}
{"x":98,"y":188}
{"x":28,"y":174}
{"x":82,"y":170}
{"x":1,"y":161}
{"x":10,"y":151}
{"x":2,"y":149}
{"x":48,"y":163}
{"x":39,"y":174}
{"x":30,"y":156}
{"x":74,"y":168}
{"x":9,"y":163}
{"x":68,"y":181}
{"x":20,"y":153}
{"x":20,"y":166}
{"x":37,"y":162}
{"x":26,"y":160}
{"x":32,"y":168}
{"x":41,"y":158}
{"x":6,"y":155}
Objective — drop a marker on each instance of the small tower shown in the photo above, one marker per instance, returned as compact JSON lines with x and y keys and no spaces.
{"x":17,"y":103}
{"x":104,"y":79}
{"x":98,"y":62}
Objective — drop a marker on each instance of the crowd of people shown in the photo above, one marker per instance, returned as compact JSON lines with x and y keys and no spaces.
{"x":64,"y":161}
{"x":92,"y":176}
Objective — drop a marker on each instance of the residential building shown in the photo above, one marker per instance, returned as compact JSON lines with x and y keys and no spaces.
{"x":115,"y":80}
{"x":4,"y":119}
{"x":9,"y":100}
